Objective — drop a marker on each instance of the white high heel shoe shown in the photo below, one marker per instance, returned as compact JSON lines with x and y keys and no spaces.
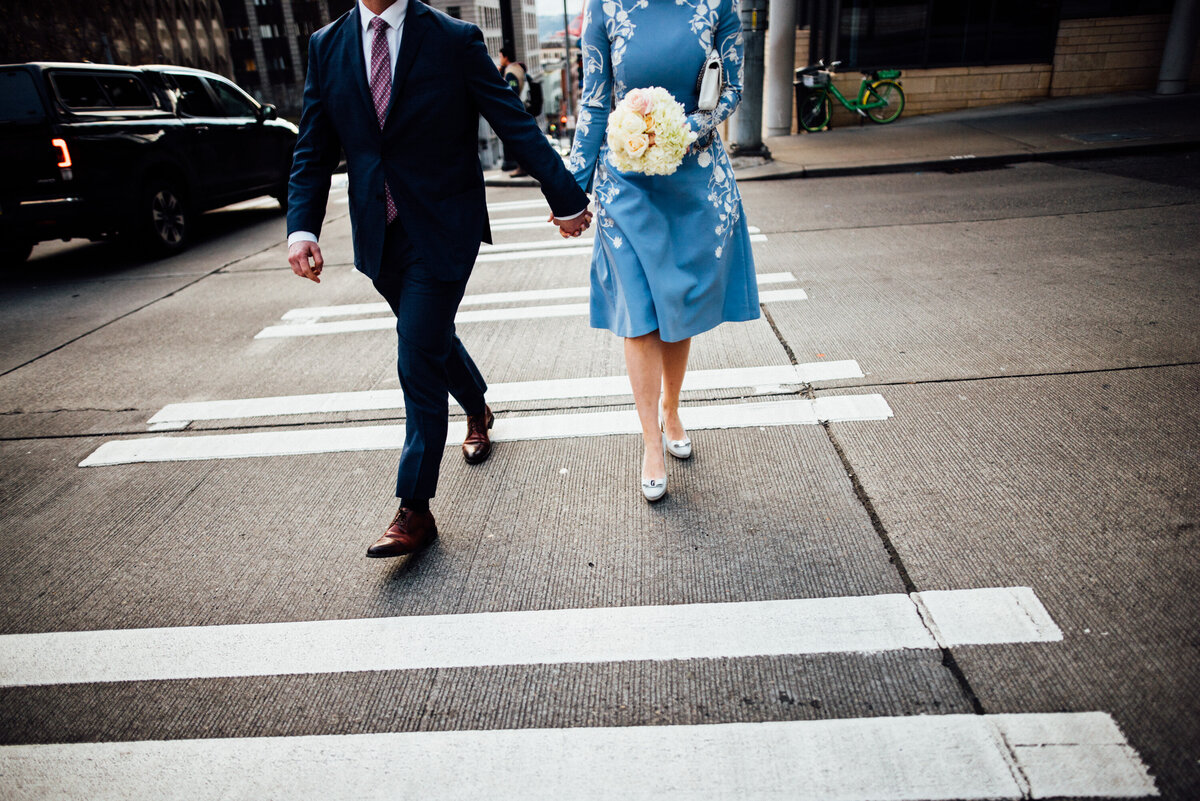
{"x":654,"y":488}
{"x":679,"y":448}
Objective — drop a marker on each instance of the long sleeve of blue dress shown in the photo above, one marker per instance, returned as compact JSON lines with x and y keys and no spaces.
{"x":596,"y":98}
{"x":729,"y":44}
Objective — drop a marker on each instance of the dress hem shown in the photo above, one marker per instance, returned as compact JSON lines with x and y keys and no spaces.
{"x":691,"y":333}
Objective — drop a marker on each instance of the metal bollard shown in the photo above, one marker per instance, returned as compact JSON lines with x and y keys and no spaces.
{"x":746,"y":136}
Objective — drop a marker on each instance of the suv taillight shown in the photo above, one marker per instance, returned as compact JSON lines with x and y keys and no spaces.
{"x":61,"y":144}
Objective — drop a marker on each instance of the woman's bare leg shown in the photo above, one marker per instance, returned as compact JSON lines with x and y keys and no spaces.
{"x":674,"y":367}
{"x":644,"y":363}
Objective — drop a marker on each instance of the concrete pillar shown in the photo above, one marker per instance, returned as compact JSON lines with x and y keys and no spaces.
{"x":781,"y":66}
{"x":746,"y":133}
{"x":1180,"y":47}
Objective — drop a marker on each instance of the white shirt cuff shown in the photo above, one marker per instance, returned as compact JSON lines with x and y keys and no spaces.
{"x":301,"y":236}
{"x":573,"y":216}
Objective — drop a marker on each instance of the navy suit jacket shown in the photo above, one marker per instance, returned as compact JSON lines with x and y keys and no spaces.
{"x":427,"y":151}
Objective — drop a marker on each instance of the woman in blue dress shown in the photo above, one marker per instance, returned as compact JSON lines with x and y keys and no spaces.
{"x":672,"y":255}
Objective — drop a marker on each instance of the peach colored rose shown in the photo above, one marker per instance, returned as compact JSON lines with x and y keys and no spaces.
{"x":636,"y":144}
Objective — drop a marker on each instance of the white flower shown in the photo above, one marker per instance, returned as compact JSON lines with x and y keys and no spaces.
{"x":718,"y":251}
{"x":630,"y":149}
{"x":630,"y":122}
{"x":617,"y":242}
{"x":705,"y":158}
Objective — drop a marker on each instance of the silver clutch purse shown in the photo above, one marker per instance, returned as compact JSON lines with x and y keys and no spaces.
{"x":711,"y":77}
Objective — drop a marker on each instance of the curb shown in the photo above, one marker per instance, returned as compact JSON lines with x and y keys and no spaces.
{"x":975,"y":163}
{"x":930,"y":165}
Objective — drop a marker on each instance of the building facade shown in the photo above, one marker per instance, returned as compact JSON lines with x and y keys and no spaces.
{"x":189,"y":33}
{"x":268,"y":45}
{"x":968,"y":53}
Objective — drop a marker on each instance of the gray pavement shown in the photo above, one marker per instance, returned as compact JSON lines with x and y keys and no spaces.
{"x":1032,"y":329}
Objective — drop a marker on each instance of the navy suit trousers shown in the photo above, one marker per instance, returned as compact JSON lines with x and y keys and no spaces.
{"x":431,"y":360}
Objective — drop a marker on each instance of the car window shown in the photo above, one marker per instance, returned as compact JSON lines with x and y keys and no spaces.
{"x":233,"y":103}
{"x":19,"y":101}
{"x":194,"y":100}
{"x":126,"y":91}
{"x":79,"y":91}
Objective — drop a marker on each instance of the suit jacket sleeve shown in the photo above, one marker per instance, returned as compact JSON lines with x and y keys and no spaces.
{"x":317,"y":153}
{"x":522,"y":138}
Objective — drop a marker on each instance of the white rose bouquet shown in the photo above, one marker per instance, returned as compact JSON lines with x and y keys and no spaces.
{"x":648,"y":132}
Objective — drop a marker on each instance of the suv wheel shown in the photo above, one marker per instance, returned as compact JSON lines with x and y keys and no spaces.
{"x":164,"y":219}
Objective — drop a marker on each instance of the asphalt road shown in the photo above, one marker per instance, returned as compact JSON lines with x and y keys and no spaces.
{"x":939,"y":538}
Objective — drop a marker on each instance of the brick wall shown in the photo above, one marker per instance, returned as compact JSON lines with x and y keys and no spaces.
{"x":1092,"y":56}
{"x":1116,"y":54}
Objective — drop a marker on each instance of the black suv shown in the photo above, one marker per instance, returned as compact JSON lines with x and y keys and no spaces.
{"x":92,"y":151}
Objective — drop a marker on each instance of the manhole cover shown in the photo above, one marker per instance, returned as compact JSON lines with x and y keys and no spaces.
{"x":1107,"y":136}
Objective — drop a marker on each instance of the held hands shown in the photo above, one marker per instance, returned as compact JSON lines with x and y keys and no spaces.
{"x":298,"y":256}
{"x":574,"y":226}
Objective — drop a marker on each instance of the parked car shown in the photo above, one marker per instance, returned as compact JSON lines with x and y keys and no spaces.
{"x":96,"y":151}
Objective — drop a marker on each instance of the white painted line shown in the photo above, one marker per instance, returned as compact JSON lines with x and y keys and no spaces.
{"x":576,"y":250}
{"x":539,"y":222}
{"x":316,"y":329}
{"x":856,"y":624}
{"x":311,"y":313}
{"x":513,"y":205}
{"x":178,"y":415}
{"x":953,"y":616}
{"x":556,"y":244}
{"x":779,"y":295}
{"x":310,"y":328}
{"x":836,"y":408}
{"x":931,"y":757}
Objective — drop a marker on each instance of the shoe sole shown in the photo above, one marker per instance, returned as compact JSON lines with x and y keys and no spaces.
{"x":405,"y":553}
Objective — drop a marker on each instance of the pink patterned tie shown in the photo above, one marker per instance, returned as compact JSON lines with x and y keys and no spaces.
{"x":381,"y":90}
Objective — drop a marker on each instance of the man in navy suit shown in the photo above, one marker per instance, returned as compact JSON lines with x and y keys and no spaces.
{"x":399,"y":87}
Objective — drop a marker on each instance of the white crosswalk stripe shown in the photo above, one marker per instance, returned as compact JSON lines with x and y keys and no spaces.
{"x":835,"y":408}
{"x":610,"y":634}
{"x":932,"y":757}
{"x":759,"y":380}
{"x":538,"y":246}
{"x":311,"y":329}
{"x":311,"y":313}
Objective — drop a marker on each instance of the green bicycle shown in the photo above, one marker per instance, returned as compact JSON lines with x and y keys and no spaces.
{"x":880,"y":97}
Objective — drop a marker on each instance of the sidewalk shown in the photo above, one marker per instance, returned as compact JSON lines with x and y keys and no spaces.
{"x":1033,"y":131}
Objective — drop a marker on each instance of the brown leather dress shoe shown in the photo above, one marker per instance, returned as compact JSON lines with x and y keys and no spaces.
{"x":477,"y":447}
{"x":409,"y":532}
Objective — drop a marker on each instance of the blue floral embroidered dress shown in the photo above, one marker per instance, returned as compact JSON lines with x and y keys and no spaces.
{"x":672,"y":252}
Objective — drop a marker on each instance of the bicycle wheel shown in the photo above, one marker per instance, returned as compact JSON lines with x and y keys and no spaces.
{"x":891,"y":95}
{"x":814,"y":110}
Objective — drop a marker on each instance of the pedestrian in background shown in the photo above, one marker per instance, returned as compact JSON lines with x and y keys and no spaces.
{"x":672,"y":252}
{"x":417,"y":207}
{"x":515,"y":76}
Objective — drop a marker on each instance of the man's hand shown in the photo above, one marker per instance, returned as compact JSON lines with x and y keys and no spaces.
{"x":299,"y":255}
{"x":574,"y":226}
